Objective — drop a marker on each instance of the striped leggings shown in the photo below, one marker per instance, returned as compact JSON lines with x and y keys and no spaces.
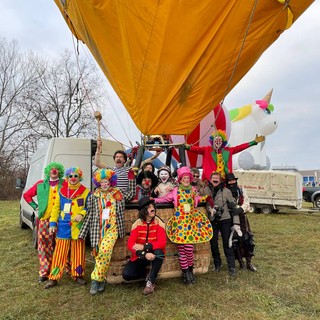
{"x":186,"y":256}
{"x":61,"y":254}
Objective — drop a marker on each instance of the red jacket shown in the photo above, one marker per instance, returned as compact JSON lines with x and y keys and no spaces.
{"x":152,"y":235}
{"x":209,"y":157}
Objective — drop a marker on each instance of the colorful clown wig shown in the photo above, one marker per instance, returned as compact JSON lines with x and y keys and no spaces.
{"x":53,"y":165}
{"x":105,"y":174}
{"x":223,"y":136}
{"x":75,"y":170}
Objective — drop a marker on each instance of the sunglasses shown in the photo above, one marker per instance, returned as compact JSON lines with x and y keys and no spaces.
{"x":195,"y":176}
{"x":215,"y":181}
{"x":73,"y":175}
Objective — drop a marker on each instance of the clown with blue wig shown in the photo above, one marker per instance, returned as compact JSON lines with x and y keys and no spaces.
{"x":66,"y":221}
{"x":105,"y":220}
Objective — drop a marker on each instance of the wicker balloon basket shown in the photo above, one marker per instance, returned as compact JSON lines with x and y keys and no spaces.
{"x":170,"y":267}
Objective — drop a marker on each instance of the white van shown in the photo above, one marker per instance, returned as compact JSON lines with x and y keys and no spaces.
{"x":70,"y":152}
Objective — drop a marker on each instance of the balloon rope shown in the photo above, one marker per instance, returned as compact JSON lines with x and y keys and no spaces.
{"x":107,"y":95}
{"x":233,"y":71}
{"x":241,"y":49}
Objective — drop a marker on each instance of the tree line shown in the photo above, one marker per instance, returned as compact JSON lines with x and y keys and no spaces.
{"x":41,"y":99}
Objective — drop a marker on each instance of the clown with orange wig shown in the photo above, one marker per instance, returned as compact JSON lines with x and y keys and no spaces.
{"x":105,"y":220}
{"x":218,"y":157}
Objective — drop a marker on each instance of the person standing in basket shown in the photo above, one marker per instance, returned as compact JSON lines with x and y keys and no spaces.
{"x":188,"y":225}
{"x":66,"y":221}
{"x":105,"y":220}
{"x":147,"y":242}
{"x":244,"y":245}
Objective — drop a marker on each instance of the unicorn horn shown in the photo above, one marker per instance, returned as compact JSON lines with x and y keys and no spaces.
{"x":268,"y":96}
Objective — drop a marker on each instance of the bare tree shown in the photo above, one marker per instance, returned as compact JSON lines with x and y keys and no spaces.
{"x":16,"y":77}
{"x":65,"y":99}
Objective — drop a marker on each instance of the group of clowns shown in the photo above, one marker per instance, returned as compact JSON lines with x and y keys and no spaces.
{"x":67,"y":211}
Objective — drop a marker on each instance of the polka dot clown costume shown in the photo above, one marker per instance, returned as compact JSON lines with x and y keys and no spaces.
{"x":105,"y":220}
{"x":188,"y":225}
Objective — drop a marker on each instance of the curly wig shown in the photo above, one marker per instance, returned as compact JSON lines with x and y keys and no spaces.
{"x":220,"y":133}
{"x":54,"y":165}
{"x":76,"y":170}
{"x":105,"y":174}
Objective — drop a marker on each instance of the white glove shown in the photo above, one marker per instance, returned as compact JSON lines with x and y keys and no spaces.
{"x":230,"y":239}
{"x":237,"y":229}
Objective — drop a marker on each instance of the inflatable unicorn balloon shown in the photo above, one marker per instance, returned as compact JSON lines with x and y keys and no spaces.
{"x":246,"y":122}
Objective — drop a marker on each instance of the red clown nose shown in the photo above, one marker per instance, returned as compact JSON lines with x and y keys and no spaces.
{"x":54,"y":171}
{"x":147,"y":182}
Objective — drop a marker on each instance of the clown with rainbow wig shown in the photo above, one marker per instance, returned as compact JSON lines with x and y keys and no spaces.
{"x":46,"y":191}
{"x":66,"y":220}
{"x":218,"y":156}
{"x":105,"y":220}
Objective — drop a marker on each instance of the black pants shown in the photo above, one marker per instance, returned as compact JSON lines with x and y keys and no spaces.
{"x":224,"y":227}
{"x":138,"y":269}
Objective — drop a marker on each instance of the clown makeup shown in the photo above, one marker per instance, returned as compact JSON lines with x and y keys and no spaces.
{"x":146,"y":183}
{"x":185,"y":181}
{"x":164,"y":176}
{"x":54,"y":174}
{"x":104,"y":184}
{"x":73,"y":178}
{"x":151,"y":212}
{"x":217,"y":142}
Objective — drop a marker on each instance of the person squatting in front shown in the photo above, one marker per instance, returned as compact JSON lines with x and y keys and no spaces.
{"x":105,"y":221}
{"x":147,"y":242}
{"x":46,"y":191}
{"x":188,"y":225}
{"x":243,"y":246}
{"x":66,"y":221}
{"x":224,"y":218}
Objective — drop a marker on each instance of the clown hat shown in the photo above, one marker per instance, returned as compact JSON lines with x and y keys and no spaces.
{"x":184,"y":171}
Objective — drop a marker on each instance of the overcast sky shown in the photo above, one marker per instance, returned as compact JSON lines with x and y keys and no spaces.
{"x":291,"y":66}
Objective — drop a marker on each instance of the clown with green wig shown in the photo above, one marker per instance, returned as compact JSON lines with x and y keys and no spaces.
{"x":218,"y":156}
{"x":46,"y":192}
{"x":105,"y":220}
{"x":66,"y":221}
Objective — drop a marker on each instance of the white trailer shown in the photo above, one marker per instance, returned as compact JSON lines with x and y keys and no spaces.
{"x":271,"y":190}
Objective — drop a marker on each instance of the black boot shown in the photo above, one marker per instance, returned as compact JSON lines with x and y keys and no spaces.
{"x":241,"y":263}
{"x":193,"y":279}
{"x":186,"y":276}
{"x":250,"y":266}
{"x":232,"y":272}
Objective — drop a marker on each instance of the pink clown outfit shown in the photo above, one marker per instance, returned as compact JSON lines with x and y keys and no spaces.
{"x":188,"y":225}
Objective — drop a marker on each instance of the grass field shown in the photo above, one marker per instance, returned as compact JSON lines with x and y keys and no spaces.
{"x":286,"y":285}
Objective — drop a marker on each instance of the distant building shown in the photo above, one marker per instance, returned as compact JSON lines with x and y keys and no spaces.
{"x":309,"y":177}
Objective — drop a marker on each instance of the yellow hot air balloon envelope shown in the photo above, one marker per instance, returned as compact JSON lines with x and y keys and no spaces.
{"x":172,"y":61}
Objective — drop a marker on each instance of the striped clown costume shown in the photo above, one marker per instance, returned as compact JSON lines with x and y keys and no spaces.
{"x":66,"y":220}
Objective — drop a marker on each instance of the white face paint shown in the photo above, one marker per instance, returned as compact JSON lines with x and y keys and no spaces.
{"x":217,"y":142}
{"x":164,"y":176}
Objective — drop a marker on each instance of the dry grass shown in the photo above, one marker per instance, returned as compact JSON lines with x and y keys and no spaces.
{"x":286,"y":285}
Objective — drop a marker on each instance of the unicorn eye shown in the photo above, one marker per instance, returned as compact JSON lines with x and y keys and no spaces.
{"x":267,"y":111}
